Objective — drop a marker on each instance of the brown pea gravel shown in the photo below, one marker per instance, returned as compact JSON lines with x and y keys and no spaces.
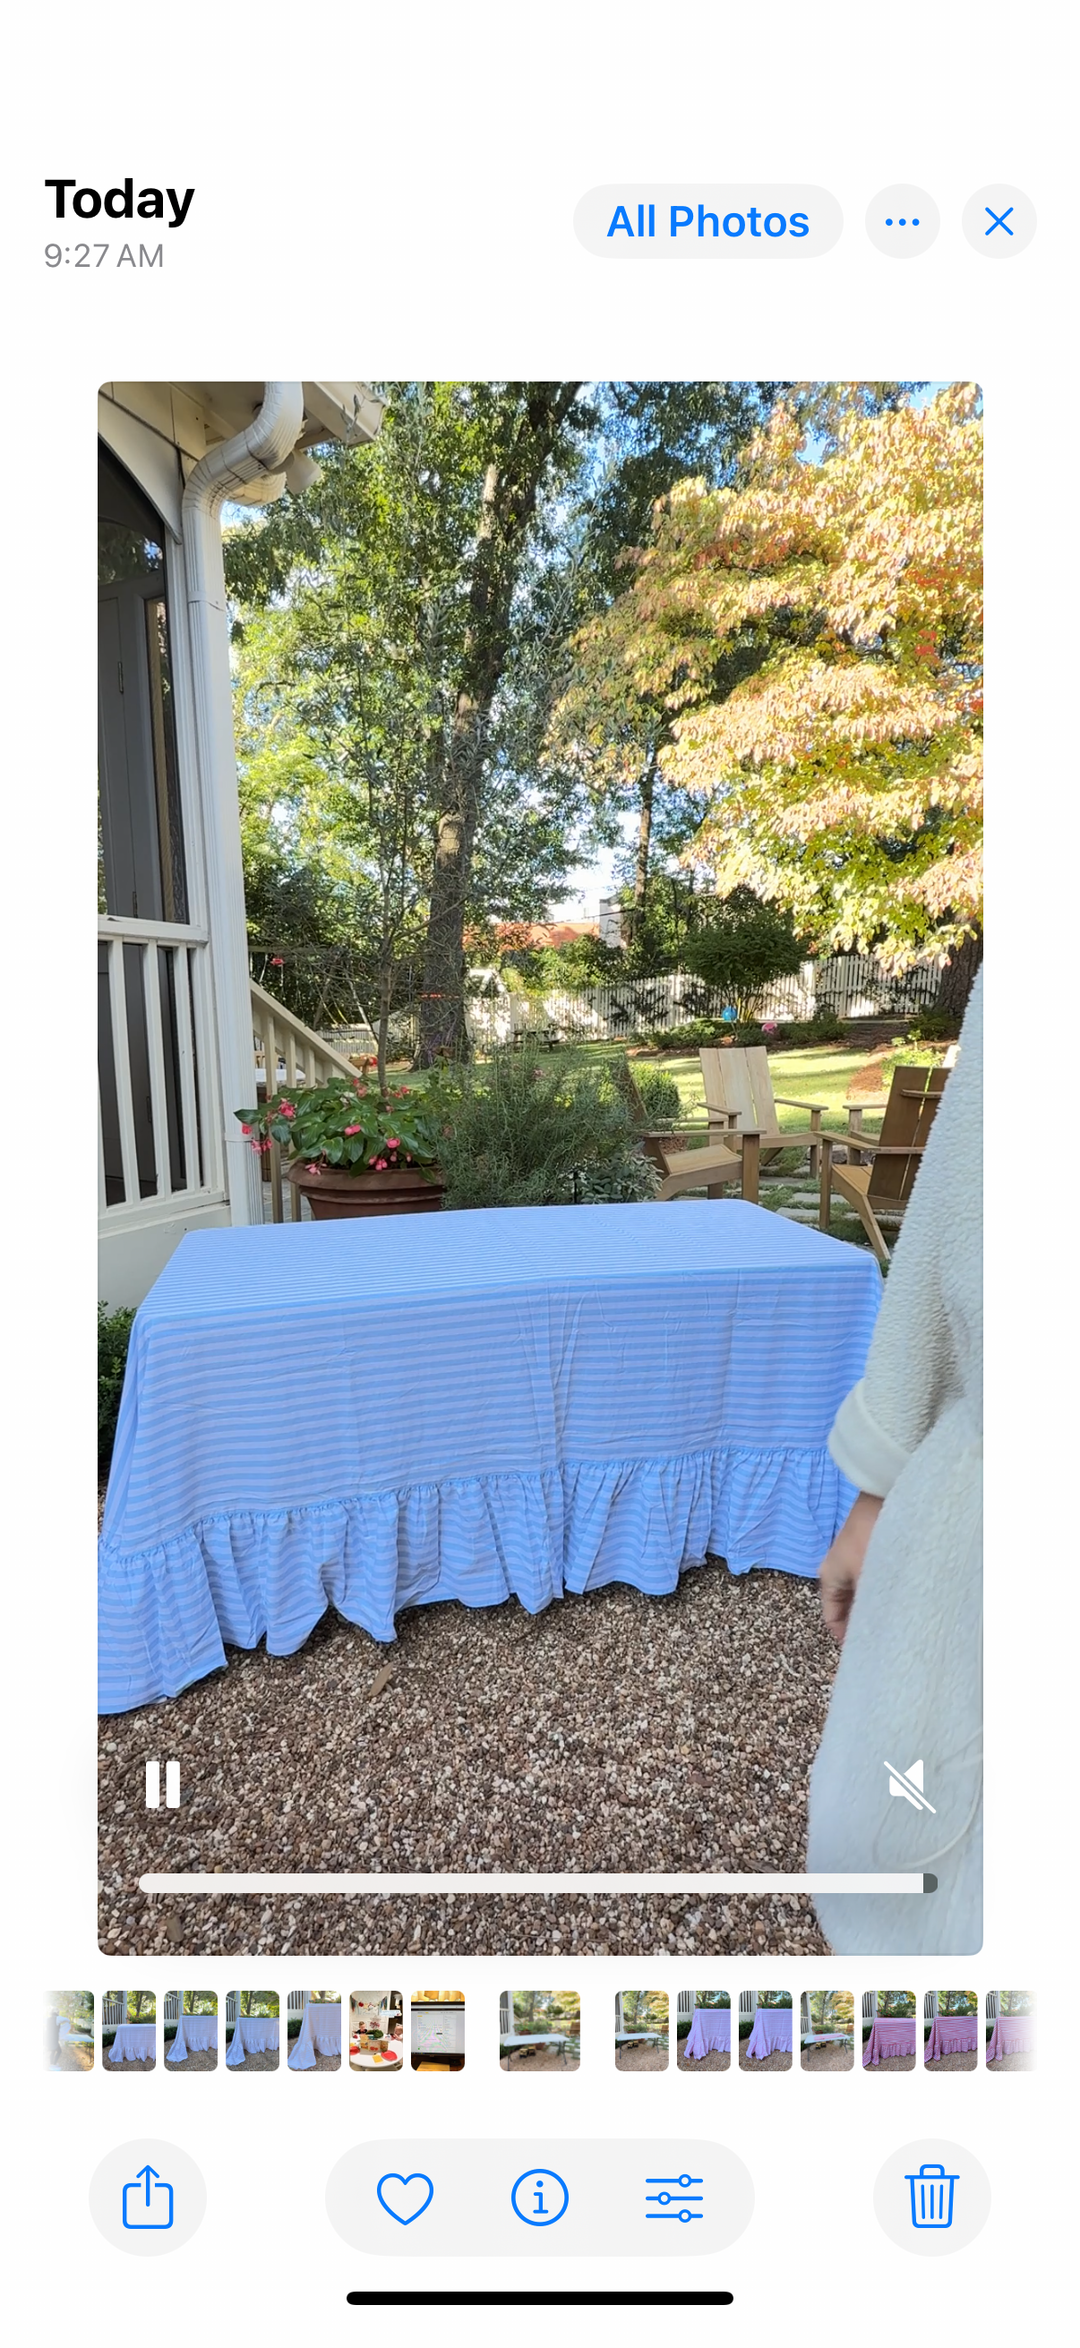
{"x":890,"y":2063}
{"x":828,"y":2058}
{"x":542,"y":2058}
{"x":770,"y":2062}
{"x":952,"y":2062}
{"x":614,"y":1731}
{"x":1012,"y":2062}
{"x":713,"y":2061}
{"x":203,"y":2058}
{"x":267,"y":2061}
{"x":72,"y":2058}
{"x":117,"y":2070}
{"x":641,"y":2058}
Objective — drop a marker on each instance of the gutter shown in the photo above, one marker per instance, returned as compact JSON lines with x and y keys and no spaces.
{"x":260,"y":452}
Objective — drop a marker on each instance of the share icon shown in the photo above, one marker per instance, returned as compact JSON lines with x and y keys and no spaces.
{"x":909,"y":1783}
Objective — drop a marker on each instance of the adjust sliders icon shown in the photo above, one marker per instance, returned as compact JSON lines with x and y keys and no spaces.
{"x":908,"y":1783}
{"x":675,"y":2203}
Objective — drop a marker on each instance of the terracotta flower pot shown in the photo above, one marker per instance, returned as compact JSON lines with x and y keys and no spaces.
{"x":398,"y":1190}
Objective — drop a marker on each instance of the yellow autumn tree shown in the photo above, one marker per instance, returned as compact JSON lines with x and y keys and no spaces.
{"x":813,"y":637}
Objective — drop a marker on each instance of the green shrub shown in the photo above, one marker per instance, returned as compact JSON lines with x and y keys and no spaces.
{"x":930,"y":1027}
{"x":659,"y":1094}
{"x":114,"y":1330}
{"x":689,"y":1037}
{"x":529,"y":1135}
{"x":744,"y":948}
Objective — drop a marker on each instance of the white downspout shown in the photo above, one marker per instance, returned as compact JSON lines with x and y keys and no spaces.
{"x":261,"y":450}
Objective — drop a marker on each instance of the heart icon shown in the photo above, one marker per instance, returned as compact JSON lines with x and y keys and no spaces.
{"x":410,"y":2205}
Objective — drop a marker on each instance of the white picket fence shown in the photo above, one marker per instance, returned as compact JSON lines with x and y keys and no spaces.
{"x":854,"y":986}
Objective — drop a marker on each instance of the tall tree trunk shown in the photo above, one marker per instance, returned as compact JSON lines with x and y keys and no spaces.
{"x":508,"y":504}
{"x":644,"y":843}
{"x":958,"y":976}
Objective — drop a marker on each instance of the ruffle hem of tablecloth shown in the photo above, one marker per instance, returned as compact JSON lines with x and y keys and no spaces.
{"x":166,"y":1613}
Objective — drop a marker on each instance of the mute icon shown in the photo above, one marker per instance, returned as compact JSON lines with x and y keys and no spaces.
{"x":908,"y":1783}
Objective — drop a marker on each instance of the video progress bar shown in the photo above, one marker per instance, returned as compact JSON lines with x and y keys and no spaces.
{"x":539,"y":2298}
{"x":566,"y":1886}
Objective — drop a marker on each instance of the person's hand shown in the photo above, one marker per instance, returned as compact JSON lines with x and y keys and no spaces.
{"x":840,"y":1569}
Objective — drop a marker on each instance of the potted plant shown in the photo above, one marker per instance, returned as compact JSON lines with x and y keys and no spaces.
{"x":350,"y":1149}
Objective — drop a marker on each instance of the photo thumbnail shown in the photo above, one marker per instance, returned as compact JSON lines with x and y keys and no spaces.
{"x":522,"y":805}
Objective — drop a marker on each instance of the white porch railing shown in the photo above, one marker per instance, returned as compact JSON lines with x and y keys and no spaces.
{"x":288,"y":1053}
{"x":171,"y":2010}
{"x":113,"y":2009}
{"x":158,"y":1138}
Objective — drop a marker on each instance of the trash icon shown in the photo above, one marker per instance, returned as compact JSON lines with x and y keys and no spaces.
{"x":931,"y":2196}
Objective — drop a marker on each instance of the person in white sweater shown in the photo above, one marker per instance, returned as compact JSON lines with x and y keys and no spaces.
{"x":901,"y":1587}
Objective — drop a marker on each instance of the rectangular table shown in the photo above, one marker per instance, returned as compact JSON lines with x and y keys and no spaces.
{"x":517,"y":1402}
{"x":194,"y":2034}
{"x":319,"y":2034}
{"x":891,"y":2035}
{"x":951,"y":2034}
{"x":254,"y":2034}
{"x":534,"y":2038}
{"x":710,"y":2032}
{"x":135,"y":2042}
{"x":1011,"y":2034}
{"x":771,"y":2033}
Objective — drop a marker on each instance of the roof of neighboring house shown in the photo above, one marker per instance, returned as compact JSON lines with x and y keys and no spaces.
{"x":544,"y":933}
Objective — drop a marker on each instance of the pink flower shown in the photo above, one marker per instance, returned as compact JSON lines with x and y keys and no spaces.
{"x":353,"y":1129}
{"x":277,"y":962}
{"x":245,"y":1129}
{"x":392,"y":1142}
{"x":286,"y":1109}
{"x":313,"y":1168}
{"x":380,"y":1166}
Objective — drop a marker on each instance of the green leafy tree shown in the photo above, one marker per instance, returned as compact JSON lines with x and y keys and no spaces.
{"x":811,"y":632}
{"x":743,"y":947}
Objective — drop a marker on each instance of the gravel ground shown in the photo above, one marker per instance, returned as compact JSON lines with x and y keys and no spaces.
{"x":771,"y":2062}
{"x":828,"y":2058}
{"x":322,"y":2063}
{"x":267,"y":2061}
{"x":612,"y":1731}
{"x":203,"y":2058}
{"x":641,"y":2058}
{"x":954,"y":2062}
{"x":542,"y":2058}
{"x":1013,"y":2062}
{"x":117,"y":2070}
{"x":73,"y":2058}
{"x":713,"y":2061}
{"x":891,"y":2063}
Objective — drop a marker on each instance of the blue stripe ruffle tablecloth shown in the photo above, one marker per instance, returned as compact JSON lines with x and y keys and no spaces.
{"x":510,"y":1402}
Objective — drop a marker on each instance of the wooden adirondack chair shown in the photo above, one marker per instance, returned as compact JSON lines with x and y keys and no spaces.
{"x":886,"y":1179}
{"x":739,"y":1097}
{"x":711,"y":1168}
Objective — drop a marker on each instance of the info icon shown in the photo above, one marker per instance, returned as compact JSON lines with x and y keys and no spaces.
{"x":902,"y":221}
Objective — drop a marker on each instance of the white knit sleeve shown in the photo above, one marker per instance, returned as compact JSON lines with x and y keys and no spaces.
{"x":926,"y":1349}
